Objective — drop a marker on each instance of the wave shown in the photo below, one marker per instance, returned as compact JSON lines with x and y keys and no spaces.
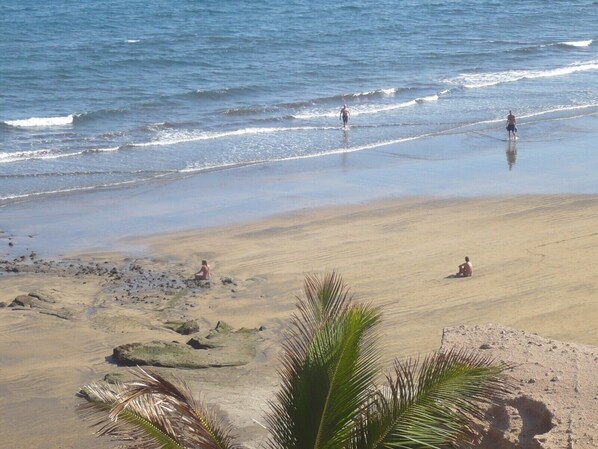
{"x":99,"y":150}
{"x":379,"y":92}
{"x":569,"y":44}
{"x":196,"y":167}
{"x":177,"y":137}
{"x":477,"y":80}
{"x":359,"y":110}
{"x":42,"y":121}
{"x":67,"y":120}
{"x":559,"y":109}
{"x":20,"y":156}
{"x":80,"y":173}
{"x":22,"y":196}
{"x":336,"y":99}
{"x":218,"y":94}
{"x":251,"y":110}
{"x":428,"y":99}
{"x":577,"y":43}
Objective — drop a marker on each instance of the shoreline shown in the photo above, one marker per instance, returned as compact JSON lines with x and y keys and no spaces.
{"x":443,"y":166}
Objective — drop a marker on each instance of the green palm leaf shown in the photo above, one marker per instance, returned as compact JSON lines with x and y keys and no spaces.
{"x":436,"y":403}
{"x":329,"y":365}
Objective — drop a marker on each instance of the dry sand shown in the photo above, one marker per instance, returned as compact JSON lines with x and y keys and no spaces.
{"x":533,"y":260}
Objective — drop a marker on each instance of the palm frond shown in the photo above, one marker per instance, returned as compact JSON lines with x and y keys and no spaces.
{"x":155,"y":411}
{"x":327,"y":399}
{"x":329,"y":365}
{"x":432,"y":404}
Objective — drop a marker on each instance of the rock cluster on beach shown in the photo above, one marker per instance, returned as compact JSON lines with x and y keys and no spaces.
{"x":131,"y":282}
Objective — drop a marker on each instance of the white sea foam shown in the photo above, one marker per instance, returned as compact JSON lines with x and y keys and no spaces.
{"x":428,"y":99}
{"x":41,"y":121}
{"x":578,"y":43}
{"x":132,"y":41}
{"x":198,"y":167}
{"x":195,"y":167}
{"x":101,"y":150}
{"x":19,"y":156}
{"x":177,"y":137}
{"x":361,"y":110}
{"x":60,"y":191}
{"x":477,"y":80}
{"x":389,"y":92}
{"x":559,"y":109}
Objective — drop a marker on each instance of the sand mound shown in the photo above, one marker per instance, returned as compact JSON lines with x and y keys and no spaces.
{"x":555,"y":401}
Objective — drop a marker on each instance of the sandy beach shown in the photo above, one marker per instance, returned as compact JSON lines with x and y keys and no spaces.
{"x":138,"y":139}
{"x":532,"y":255}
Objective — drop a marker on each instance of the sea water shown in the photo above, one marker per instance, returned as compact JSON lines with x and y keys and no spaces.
{"x":114,"y":93}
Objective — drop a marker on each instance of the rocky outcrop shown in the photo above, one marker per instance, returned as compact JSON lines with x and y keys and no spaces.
{"x":42,"y":303}
{"x":554,"y":401}
{"x":32,"y":300}
{"x":223,"y":346}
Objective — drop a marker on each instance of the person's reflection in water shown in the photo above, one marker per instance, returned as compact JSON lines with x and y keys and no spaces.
{"x":345,"y":146}
{"x":511,"y":153}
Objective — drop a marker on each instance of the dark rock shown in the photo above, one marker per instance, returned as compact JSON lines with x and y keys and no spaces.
{"x":485,"y":346}
{"x":26,"y":301}
{"x":222,"y":327}
{"x":227,"y":280}
{"x":202,"y":343}
{"x":183,"y":327}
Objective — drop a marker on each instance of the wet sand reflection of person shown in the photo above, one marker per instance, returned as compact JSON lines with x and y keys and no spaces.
{"x":511,"y":153}
{"x":345,"y":146}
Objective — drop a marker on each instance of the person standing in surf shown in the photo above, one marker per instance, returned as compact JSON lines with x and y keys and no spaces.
{"x":511,"y":125}
{"x":344,"y":115}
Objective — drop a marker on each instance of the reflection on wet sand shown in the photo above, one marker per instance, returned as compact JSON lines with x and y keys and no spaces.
{"x":511,"y":153}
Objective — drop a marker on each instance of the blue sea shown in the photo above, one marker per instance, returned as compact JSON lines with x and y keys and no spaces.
{"x":116,"y":93}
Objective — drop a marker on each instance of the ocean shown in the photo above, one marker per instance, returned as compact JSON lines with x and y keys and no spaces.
{"x":114,"y":93}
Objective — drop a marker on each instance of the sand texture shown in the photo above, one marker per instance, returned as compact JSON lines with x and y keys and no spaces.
{"x":533,"y":259}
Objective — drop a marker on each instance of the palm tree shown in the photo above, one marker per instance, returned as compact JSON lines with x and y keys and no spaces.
{"x":328,"y":397}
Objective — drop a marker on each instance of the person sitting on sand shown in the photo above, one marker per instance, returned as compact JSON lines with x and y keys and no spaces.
{"x":204,"y":273}
{"x":465,"y":269}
